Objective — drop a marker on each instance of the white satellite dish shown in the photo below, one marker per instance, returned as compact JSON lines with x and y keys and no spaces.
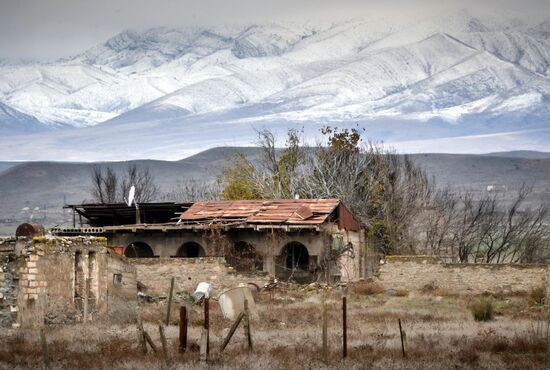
{"x":131,"y":196}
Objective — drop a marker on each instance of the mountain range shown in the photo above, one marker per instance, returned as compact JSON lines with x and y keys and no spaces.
{"x":453,"y":83}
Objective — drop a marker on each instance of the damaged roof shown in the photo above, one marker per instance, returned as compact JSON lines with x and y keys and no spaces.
{"x":272,"y":211}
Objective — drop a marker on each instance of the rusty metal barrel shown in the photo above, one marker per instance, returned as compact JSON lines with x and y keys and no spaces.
{"x":29,"y":230}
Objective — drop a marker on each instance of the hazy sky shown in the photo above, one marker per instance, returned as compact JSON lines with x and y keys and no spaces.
{"x":54,"y":28}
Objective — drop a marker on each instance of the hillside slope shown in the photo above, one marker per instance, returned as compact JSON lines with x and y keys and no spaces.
{"x":29,"y":191}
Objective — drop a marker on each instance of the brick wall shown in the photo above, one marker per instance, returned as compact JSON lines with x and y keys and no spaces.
{"x":156,"y":273}
{"x":414,"y":272}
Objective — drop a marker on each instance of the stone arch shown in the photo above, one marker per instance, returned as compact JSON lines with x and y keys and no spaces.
{"x":139,"y":250}
{"x":190,"y":250}
{"x":242,"y":257}
{"x":295,"y":256}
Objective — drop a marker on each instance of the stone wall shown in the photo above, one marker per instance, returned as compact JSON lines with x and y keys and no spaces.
{"x":57,"y":280}
{"x":121,"y":284}
{"x":9,"y":288}
{"x":156,"y":273}
{"x":416,"y":272}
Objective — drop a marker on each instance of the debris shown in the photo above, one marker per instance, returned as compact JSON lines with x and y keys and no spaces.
{"x":203,"y":291}
{"x":232,"y":301}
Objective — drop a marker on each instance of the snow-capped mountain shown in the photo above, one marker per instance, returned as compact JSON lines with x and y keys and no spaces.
{"x":12,"y":120}
{"x":473,"y":76}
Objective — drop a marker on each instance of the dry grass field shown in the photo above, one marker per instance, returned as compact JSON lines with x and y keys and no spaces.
{"x":440,"y":333}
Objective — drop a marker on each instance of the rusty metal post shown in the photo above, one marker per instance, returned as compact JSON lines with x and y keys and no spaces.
{"x":183,"y":328}
{"x":207,"y":323}
{"x":344,"y":328}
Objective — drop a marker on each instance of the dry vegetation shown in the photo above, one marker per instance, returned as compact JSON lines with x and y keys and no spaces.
{"x":440,"y":333}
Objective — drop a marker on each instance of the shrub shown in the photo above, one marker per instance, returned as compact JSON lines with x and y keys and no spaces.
{"x":482,"y":309}
{"x":367,"y":288}
{"x":537,"y":296}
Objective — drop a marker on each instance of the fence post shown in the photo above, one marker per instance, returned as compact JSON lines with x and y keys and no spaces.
{"x":344,"y":328}
{"x":232,"y":331}
{"x":203,"y":349}
{"x":183,"y":328}
{"x":247,"y":324}
{"x":45,"y":355}
{"x":325,"y":331}
{"x":207,"y":323}
{"x":169,"y":302}
{"x":402,"y":339}
{"x":142,"y":340}
{"x":163,"y":342}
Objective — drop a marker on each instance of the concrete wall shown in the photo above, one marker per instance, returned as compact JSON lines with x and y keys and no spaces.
{"x":156,"y":274}
{"x":268,"y":244}
{"x":415,"y":272}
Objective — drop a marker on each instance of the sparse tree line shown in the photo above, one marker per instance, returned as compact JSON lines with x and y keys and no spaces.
{"x":404,"y":212}
{"x":487,"y":229}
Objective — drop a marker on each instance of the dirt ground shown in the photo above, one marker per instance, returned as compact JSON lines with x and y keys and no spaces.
{"x":440,"y":333}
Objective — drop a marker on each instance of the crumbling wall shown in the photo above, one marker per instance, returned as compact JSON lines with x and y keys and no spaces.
{"x":63,"y":278}
{"x":9,"y":288}
{"x":121,"y":287}
{"x":416,"y":272}
{"x":155,"y":274}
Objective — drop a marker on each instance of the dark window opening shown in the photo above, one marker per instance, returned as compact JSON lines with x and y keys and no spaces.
{"x":296,"y":256}
{"x":190,"y":250}
{"x":243,"y":257}
{"x":139,"y":250}
{"x":117,"y":278}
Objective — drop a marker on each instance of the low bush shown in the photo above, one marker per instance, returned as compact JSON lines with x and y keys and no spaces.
{"x":483,"y":309}
{"x":537,"y":296}
{"x":367,"y":288}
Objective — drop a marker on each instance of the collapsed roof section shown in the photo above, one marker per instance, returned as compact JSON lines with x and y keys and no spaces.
{"x":272,"y":211}
{"x":99,"y":215}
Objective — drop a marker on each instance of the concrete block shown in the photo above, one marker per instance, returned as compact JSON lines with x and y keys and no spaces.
{"x":33,"y":258}
{"x":33,"y":271}
{"x":31,"y":264}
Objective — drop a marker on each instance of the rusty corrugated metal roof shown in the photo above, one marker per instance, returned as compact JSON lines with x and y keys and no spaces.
{"x":277,"y":211}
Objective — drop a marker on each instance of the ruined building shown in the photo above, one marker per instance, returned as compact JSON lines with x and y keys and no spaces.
{"x":300,"y":239}
{"x":50,"y":280}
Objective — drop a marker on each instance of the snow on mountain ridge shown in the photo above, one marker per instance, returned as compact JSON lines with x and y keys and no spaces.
{"x":363,"y":67}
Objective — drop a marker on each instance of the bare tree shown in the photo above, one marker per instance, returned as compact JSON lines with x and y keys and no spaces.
{"x":104,"y":185}
{"x":383,"y":188}
{"x":189,"y":190}
{"x":109,"y":187}
{"x":142,"y":179}
{"x":485,"y":230}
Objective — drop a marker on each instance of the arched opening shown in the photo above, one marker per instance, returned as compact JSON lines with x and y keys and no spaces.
{"x":243,"y":257}
{"x":139,"y":250}
{"x":190,"y":250}
{"x":294,"y":263}
{"x":296,"y":256}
